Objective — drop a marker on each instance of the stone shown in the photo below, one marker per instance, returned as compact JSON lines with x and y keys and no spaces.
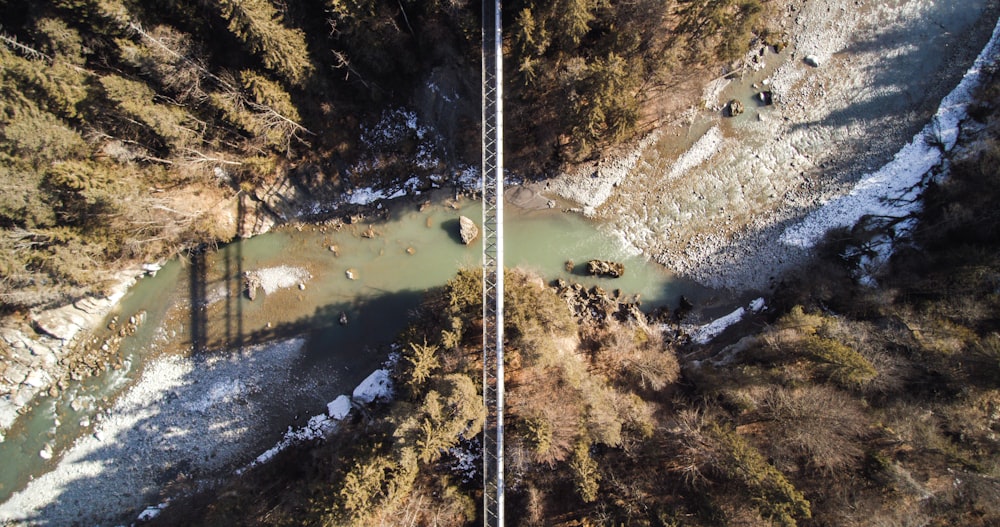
{"x":62,"y":323}
{"x":8,"y":412}
{"x":352,"y":274}
{"x":605,"y":268}
{"x":467,"y":230}
{"x":734,"y":108}
{"x":251,"y":281}
{"x":16,"y":373}
{"x":813,"y":61}
{"x":369,"y":232}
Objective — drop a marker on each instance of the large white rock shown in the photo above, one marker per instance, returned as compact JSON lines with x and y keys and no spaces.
{"x":38,"y":379}
{"x":467,"y":230}
{"x":339,"y":407}
{"x":378,"y":385}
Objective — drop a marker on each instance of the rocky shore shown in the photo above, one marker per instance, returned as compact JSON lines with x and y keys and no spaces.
{"x":49,"y":348}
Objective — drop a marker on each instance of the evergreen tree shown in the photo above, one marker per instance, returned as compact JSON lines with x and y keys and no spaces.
{"x":283,"y":50}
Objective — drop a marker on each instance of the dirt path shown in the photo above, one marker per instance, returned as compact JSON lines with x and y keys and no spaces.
{"x":710,"y":196}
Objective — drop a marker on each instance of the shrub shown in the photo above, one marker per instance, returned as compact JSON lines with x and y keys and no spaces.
{"x":586,"y":478}
{"x":770,"y":492}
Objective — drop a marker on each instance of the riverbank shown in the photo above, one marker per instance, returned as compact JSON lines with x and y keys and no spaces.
{"x":711,"y":196}
{"x":304,"y":290}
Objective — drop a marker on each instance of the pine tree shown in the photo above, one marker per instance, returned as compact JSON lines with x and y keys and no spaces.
{"x":283,"y":50}
{"x":176,"y":127}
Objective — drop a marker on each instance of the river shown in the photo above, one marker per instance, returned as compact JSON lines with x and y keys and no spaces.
{"x":222,"y":376}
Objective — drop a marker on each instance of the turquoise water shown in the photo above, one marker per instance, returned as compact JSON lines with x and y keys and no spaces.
{"x":196,"y":304}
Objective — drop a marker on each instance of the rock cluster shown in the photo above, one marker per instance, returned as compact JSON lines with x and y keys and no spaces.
{"x":596,"y":304}
{"x":735,"y":107}
{"x":467,"y":230}
{"x":33,"y":364}
{"x":606,"y":268}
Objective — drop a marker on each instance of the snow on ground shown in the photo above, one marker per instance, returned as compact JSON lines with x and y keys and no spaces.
{"x":281,"y":277}
{"x":704,"y":334}
{"x":185,"y":415}
{"x":702,"y":150}
{"x":893,"y":189}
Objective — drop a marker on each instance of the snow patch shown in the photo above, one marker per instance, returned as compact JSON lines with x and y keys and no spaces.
{"x":703,"y":149}
{"x":339,"y":407}
{"x":893,"y":189}
{"x":704,"y":334}
{"x":274,"y":278}
{"x":377,"y":386}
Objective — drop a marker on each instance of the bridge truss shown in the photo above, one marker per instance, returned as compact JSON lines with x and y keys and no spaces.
{"x":492,"y":181}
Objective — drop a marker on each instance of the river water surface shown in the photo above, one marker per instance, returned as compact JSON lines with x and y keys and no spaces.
{"x":239,"y":396}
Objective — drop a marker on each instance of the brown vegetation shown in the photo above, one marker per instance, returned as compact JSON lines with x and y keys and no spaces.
{"x":851,"y":405}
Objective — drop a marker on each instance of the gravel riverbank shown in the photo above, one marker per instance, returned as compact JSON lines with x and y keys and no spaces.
{"x":156,"y":433}
{"x":718,"y":212}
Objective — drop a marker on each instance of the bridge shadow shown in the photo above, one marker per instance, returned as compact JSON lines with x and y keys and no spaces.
{"x":218,"y":409}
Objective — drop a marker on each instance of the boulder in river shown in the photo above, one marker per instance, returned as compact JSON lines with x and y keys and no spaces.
{"x":467,"y":230}
{"x":734,"y":108}
{"x":251,"y":281}
{"x":605,"y":268}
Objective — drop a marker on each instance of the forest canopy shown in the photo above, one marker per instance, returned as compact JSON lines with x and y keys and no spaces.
{"x":134,"y":129}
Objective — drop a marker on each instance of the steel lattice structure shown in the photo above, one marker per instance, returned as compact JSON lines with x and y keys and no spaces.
{"x":492,"y":178}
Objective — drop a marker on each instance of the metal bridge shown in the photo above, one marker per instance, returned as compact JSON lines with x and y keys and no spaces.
{"x":492,"y":177}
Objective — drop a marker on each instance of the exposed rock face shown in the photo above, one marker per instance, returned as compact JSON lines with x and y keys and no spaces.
{"x":37,"y":362}
{"x":735,"y":107}
{"x":598,"y":305}
{"x":605,"y":268}
{"x":468,"y":230}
